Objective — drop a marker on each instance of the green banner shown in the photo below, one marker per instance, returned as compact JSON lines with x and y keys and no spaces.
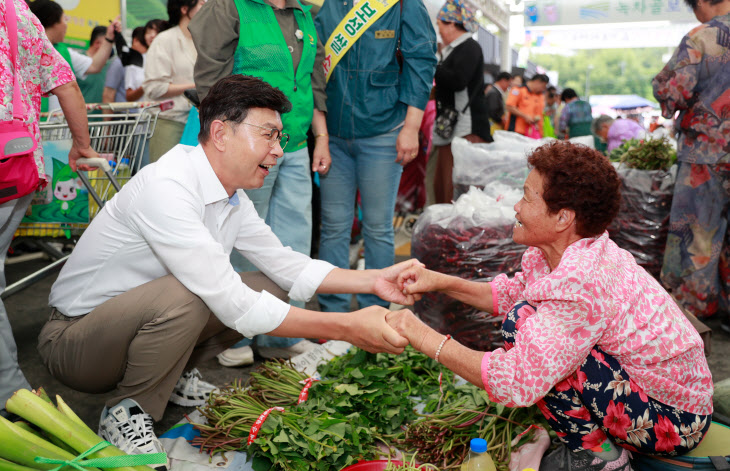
{"x":140,"y":12}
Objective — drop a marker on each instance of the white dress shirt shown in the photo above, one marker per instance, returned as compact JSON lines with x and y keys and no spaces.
{"x":174,"y":217}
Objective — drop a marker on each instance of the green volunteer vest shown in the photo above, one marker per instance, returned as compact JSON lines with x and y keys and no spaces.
{"x":63,"y":50}
{"x":263,"y":53}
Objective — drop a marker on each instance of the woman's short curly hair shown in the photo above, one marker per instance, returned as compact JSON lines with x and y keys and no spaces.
{"x":581,"y":179}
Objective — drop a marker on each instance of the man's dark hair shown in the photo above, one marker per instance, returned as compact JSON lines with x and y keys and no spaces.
{"x":541,"y":78}
{"x":693,"y":3}
{"x":174,"y":8}
{"x":48,"y":12}
{"x":568,"y":94}
{"x":138,"y":34}
{"x":503,"y":76}
{"x":96,"y":32}
{"x":231,"y":97}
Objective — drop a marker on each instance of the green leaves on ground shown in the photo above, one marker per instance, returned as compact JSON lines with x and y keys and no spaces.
{"x":362,"y":401}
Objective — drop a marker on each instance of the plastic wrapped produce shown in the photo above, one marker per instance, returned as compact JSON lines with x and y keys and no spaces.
{"x":643,"y":222}
{"x":482,"y":164}
{"x":504,"y":160}
{"x":471,"y":239}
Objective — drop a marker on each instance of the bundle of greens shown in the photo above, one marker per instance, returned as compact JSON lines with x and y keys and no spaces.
{"x":383,"y":388}
{"x":297,"y":438}
{"x":364,"y":400}
{"x":443,"y":437}
{"x":645,"y":154}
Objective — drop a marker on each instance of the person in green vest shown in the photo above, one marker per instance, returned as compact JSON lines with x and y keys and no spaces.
{"x":92,"y":87}
{"x":53,"y":19}
{"x":274,"y":40}
{"x":576,"y":118}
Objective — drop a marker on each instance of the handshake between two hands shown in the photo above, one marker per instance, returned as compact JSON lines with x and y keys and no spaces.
{"x":403,"y":283}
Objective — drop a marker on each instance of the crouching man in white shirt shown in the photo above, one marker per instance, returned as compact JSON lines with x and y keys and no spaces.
{"x":149,"y":287}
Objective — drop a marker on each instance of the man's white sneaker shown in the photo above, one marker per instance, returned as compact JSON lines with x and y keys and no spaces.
{"x":286,"y":352}
{"x":240,"y":356}
{"x":191,"y":390}
{"x":129,"y":428}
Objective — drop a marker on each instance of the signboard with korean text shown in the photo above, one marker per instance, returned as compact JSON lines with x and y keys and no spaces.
{"x":547,"y":40}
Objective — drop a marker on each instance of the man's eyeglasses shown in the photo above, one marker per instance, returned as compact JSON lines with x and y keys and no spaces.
{"x":273,"y":135}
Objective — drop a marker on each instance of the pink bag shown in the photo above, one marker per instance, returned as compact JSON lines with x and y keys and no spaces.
{"x":533,"y":132}
{"x":18,"y":171}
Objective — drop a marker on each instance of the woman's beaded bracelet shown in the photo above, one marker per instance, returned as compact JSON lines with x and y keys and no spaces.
{"x":441,"y":345}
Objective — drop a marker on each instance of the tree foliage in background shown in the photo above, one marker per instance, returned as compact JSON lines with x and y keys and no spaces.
{"x":615,"y":71}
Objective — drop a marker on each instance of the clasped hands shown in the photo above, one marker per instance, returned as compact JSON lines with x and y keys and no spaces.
{"x":392,"y":331}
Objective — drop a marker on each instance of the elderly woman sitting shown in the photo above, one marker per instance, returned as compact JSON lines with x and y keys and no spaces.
{"x":589,"y":336}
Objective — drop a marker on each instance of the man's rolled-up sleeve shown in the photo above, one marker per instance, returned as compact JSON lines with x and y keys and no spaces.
{"x":294,"y":272}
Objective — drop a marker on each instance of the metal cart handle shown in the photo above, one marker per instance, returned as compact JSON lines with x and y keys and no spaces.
{"x":97,"y":162}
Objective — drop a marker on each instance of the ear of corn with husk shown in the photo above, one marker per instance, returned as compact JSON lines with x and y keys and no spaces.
{"x":49,"y":432}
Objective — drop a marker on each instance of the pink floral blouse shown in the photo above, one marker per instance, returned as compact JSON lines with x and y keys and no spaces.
{"x":597,"y":295}
{"x":41,"y":70}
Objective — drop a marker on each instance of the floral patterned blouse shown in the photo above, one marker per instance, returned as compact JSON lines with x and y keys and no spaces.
{"x":597,"y":295}
{"x":696,"y":82}
{"x":41,"y":70}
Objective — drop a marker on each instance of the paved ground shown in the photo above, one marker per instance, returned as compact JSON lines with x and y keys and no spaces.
{"x":28,"y":312}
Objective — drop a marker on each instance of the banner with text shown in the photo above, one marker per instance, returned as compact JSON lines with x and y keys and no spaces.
{"x":576,"y":12}
{"x":547,"y":41}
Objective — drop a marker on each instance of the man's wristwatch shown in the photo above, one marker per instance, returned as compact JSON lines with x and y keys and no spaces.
{"x":111,"y":41}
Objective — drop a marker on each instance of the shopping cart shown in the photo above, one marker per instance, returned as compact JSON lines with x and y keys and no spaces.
{"x":119,"y":134}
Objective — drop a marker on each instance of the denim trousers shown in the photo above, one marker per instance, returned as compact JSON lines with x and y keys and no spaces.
{"x":368,"y":165}
{"x":11,"y":378}
{"x":285,"y":203}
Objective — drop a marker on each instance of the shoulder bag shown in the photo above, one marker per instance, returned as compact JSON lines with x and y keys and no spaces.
{"x":18,"y":171}
{"x":447,"y":117}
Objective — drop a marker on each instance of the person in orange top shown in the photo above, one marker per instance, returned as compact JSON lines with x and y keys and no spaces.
{"x":525,"y":105}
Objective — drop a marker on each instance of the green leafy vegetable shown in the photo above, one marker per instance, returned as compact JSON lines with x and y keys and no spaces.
{"x":648,"y":154}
